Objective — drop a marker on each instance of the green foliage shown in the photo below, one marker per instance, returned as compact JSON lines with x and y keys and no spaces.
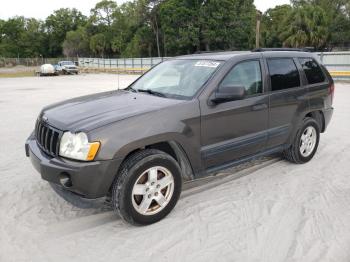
{"x":228,"y":24}
{"x":330,"y":17}
{"x":174,"y":27}
{"x":103,"y":13}
{"x":98,"y":44}
{"x":58,"y":24}
{"x":76,"y":43}
{"x":273,"y":24}
{"x":179,"y":19}
{"x":340,"y":31}
{"x":306,"y":26}
{"x":196,"y":25}
{"x":22,"y":37}
{"x":139,"y":45}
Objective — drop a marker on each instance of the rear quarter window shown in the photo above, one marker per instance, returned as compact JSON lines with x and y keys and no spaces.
{"x":312,"y":71}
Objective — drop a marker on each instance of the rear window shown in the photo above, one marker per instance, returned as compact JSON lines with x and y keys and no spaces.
{"x":312,"y":70}
{"x":284,"y":73}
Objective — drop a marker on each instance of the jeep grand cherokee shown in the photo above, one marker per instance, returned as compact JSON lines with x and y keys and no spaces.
{"x":188,"y":117}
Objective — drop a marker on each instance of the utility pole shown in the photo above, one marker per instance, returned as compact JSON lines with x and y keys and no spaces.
{"x":257,"y":31}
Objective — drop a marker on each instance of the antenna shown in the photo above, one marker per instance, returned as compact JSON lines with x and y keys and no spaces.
{"x":118,"y":79}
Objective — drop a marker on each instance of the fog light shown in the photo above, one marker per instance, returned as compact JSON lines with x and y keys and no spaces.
{"x":65,"y":180}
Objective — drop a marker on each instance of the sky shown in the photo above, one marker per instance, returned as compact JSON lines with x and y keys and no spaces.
{"x":43,"y":8}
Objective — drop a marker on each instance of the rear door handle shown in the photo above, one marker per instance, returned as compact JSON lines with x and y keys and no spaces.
{"x":259,"y":107}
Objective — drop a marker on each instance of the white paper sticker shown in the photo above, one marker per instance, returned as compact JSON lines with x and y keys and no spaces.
{"x":207,"y":64}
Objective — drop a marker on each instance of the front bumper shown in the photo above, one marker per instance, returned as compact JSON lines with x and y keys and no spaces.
{"x":71,"y":70}
{"x":88,"y":179}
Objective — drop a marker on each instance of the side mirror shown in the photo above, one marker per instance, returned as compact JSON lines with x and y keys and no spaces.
{"x":228,"y":93}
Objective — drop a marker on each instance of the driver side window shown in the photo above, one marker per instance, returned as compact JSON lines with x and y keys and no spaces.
{"x":246,"y":74}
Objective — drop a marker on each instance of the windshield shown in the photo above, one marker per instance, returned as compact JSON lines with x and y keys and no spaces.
{"x":176,"y":78}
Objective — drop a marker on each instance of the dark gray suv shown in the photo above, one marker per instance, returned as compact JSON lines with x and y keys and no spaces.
{"x":187,"y":118}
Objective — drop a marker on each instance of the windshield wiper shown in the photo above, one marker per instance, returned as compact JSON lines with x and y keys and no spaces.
{"x":149,"y":91}
{"x":131,"y":89}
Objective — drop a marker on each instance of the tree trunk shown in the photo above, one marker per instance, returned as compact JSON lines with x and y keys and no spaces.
{"x":157,"y":37}
{"x":164,"y":46}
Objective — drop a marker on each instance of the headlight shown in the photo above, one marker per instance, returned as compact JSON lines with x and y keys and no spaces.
{"x":77,"y":146}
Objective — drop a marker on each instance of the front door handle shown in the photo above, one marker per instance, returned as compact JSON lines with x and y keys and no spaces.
{"x":259,"y":107}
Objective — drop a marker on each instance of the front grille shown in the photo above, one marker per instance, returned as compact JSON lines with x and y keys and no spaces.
{"x":48,"y":138}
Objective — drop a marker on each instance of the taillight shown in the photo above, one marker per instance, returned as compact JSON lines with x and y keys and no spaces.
{"x":331,"y":91}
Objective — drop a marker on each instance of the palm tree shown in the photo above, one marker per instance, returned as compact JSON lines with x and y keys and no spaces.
{"x":306,"y":26}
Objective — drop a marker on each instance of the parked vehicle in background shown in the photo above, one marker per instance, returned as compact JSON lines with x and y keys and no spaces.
{"x":187,"y":118}
{"x":67,"y":67}
{"x":58,"y":69}
{"x":47,"y":70}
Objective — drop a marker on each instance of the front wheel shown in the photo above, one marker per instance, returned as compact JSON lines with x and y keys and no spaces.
{"x":305,"y":142}
{"x":147,"y":187}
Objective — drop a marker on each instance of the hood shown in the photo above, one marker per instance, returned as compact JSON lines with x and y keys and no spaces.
{"x":89,"y":112}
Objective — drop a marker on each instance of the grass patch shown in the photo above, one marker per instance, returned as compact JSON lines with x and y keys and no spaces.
{"x":16,"y":74}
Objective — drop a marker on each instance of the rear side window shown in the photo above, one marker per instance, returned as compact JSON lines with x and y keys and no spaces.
{"x":247,"y":74}
{"x":284,"y":73}
{"x":312,"y":70}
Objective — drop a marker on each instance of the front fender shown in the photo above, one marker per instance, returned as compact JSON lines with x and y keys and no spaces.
{"x":180,"y":124}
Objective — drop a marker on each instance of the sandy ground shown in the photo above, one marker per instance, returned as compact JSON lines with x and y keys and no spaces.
{"x":17,"y":69}
{"x":279,"y":212}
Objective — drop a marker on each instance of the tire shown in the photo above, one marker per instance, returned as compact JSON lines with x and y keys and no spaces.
{"x":301,"y":151}
{"x":139,"y":189}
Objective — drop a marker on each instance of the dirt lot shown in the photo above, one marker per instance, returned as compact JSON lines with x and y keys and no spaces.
{"x":279,"y":212}
{"x":18,"y":71}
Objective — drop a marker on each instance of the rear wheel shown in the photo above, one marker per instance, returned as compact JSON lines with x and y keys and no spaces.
{"x":147,"y":187}
{"x":305,"y":142}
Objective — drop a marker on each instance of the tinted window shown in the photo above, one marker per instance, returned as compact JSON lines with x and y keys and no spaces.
{"x":247,"y":74}
{"x":312,"y":70}
{"x":284,"y":73}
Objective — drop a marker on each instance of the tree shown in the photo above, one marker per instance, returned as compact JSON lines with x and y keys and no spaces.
{"x":154,"y":19}
{"x":340,"y":32}
{"x":58,"y":24}
{"x":180,"y":23}
{"x":133,"y":33}
{"x":12,"y":31}
{"x":227,"y":24}
{"x":98,"y":44}
{"x":190,"y":26}
{"x":139,"y":45}
{"x":102,"y":13}
{"x":338,"y":16}
{"x":272,"y":25}
{"x":21,"y":37}
{"x":306,"y":26}
{"x":101,"y":21}
{"x":175,"y":27}
{"x":33,"y":38}
{"x":76,"y":43}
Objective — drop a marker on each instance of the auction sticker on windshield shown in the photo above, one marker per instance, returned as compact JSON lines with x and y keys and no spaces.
{"x":207,"y":64}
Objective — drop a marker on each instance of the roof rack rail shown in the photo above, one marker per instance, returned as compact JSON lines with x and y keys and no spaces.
{"x":305,"y":49}
{"x":208,"y":52}
{"x":202,"y":52}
